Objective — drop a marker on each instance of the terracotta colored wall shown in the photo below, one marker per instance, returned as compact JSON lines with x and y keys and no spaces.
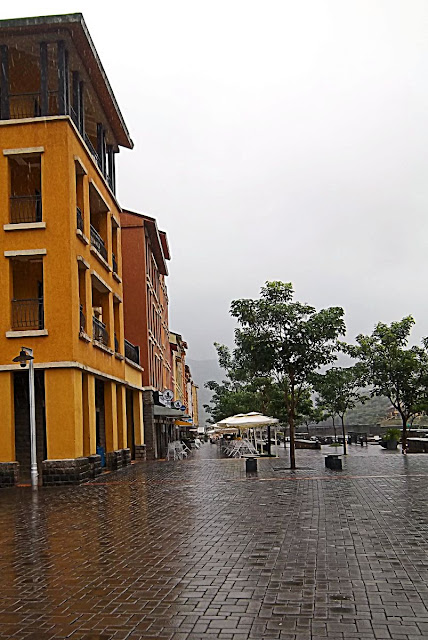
{"x":134,"y":286}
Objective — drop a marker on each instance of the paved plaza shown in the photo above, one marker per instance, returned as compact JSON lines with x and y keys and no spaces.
{"x":195,"y":549}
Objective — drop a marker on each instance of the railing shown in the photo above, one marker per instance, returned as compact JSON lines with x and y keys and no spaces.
{"x":114,"y":263}
{"x":25,"y":209}
{"x":27,"y":313}
{"x":28,"y":105}
{"x":24,"y":105}
{"x":116,"y":344}
{"x":92,"y":149}
{"x":98,"y":243}
{"x":132,"y":352}
{"x":99,"y":331}
{"x":82,"y":319}
{"x":79,"y":219}
{"x":73,"y":115}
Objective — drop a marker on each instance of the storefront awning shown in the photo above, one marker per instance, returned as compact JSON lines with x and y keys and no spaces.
{"x":168,"y":412}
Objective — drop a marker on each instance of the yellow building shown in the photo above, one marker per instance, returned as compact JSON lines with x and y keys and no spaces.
{"x":184,"y":388}
{"x":60,"y":257}
{"x":178,"y":367}
{"x":195,"y":405}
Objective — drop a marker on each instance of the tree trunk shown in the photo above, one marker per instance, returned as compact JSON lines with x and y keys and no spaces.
{"x":291,"y":413}
{"x":343,"y":435}
{"x":292,"y":440}
{"x":404,"y":436}
{"x":334,"y":428}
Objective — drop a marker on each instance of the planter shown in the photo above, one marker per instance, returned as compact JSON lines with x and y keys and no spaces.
{"x":391,"y":445}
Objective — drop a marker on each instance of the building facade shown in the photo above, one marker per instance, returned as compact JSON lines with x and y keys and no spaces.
{"x":145,"y":254}
{"x":61,"y":257}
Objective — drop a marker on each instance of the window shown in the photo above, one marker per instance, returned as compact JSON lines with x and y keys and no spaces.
{"x":25,"y":188}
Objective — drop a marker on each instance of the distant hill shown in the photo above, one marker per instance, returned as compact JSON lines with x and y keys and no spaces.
{"x":202,"y":371}
{"x":371,"y":412}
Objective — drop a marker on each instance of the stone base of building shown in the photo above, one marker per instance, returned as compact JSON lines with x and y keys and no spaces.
{"x":9,"y":474}
{"x":95,"y":465}
{"x":117,"y":459}
{"x":73,"y":471}
{"x":140,"y":453}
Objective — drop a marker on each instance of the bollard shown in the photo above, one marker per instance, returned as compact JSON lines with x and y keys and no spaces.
{"x":333,"y":462}
{"x":251,"y":465}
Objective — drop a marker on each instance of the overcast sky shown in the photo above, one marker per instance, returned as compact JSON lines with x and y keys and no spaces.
{"x":274,"y":141}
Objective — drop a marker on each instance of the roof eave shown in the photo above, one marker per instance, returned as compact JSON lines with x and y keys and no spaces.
{"x":76,"y":20}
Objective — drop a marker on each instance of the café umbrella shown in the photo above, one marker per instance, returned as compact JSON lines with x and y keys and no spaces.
{"x":252,"y":420}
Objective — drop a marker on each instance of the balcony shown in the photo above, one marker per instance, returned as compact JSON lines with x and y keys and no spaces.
{"x":25,"y":209}
{"x":79,"y":222}
{"x":99,"y":331}
{"x":98,"y":243}
{"x":132,"y":352}
{"x":27,"y":314}
{"x":114,"y":263}
{"x":28,"y":105}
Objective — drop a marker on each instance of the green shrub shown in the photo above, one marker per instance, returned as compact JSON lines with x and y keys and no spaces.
{"x":392,"y":434}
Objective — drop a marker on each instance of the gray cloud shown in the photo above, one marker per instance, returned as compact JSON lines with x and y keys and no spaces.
{"x":275,"y":140}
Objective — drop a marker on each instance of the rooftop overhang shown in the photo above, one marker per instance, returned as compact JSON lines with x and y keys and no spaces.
{"x":155,"y":239}
{"x":74,"y":24}
{"x":165,"y":245}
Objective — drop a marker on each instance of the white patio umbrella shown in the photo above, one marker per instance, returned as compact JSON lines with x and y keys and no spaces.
{"x":252,"y":419}
{"x":249,"y":420}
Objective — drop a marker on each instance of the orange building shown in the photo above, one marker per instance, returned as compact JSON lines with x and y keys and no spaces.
{"x":60,"y":257}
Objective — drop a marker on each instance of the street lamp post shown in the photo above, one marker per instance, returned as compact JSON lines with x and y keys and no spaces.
{"x":26,"y":355}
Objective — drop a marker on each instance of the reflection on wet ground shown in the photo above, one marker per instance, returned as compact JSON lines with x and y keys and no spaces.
{"x":196,"y":549}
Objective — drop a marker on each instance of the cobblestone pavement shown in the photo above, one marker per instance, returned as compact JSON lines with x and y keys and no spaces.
{"x":195,"y":549}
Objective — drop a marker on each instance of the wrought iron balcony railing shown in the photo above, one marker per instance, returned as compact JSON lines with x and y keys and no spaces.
{"x":82,"y":319}
{"x":98,"y":243}
{"x":79,"y":219}
{"x":100,"y":333}
{"x":116,"y":344}
{"x":27,"y":314}
{"x":28,"y":105}
{"x":92,"y":149}
{"x":132,"y":352}
{"x":114,"y":263}
{"x":25,"y":209}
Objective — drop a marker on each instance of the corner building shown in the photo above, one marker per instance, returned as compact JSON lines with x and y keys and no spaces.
{"x":60,"y":258}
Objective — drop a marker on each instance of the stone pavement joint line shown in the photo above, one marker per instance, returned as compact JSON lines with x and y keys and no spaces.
{"x":194,"y":549}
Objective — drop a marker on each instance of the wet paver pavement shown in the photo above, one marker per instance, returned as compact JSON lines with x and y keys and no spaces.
{"x":196,"y":549}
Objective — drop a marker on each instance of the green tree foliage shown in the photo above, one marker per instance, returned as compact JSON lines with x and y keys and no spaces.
{"x":241,"y":392}
{"x":307,"y":412}
{"x":338,"y":391}
{"x":394,"y":370}
{"x":285,"y":341}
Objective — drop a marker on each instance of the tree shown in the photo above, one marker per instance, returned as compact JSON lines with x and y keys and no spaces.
{"x":394,"y":370}
{"x":240,"y":392}
{"x":286,"y":341}
{"x":307,"y":412}
{"x":338,"y":391}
